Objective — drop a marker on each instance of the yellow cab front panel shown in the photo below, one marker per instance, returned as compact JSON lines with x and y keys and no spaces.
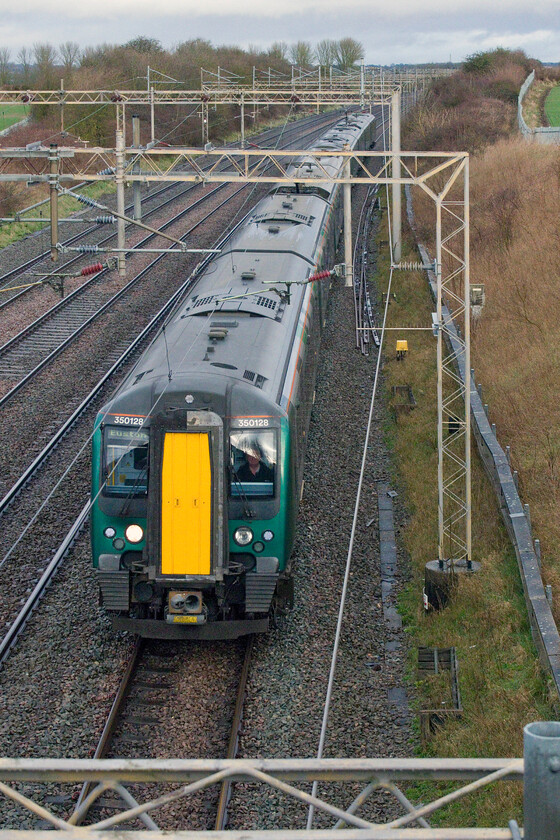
{"x":186,"y":504}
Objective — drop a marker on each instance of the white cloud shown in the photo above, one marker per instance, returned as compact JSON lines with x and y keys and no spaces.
{"x":279,"y":8}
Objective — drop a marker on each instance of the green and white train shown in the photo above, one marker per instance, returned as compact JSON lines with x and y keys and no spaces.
{"x":198,"y":457}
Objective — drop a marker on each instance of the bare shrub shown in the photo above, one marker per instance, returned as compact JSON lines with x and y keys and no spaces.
{"x":10,"y":198}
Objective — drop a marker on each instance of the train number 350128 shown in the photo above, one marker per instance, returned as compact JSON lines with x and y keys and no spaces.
{"x":253,"y":422}
{"x":129,"y":421}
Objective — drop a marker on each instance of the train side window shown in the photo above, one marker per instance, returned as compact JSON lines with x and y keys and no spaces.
{"x":125,"y":462}
{"x":253,"y":459}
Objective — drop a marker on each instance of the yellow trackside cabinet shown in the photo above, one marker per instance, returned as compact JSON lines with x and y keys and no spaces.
{"x":186,"y":502}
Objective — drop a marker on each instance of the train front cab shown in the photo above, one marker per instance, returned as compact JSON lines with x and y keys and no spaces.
{"x":214,"y":545}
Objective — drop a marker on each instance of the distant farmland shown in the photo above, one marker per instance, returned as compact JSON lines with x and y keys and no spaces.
{"x":552,"y":106}
{"x":10,"y":114}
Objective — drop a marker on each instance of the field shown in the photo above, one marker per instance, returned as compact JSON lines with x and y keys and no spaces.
{"x":10,"y":114}
{"x":552,"y":106}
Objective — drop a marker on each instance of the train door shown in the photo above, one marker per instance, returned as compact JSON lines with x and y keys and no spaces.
{"x":186,"y":500}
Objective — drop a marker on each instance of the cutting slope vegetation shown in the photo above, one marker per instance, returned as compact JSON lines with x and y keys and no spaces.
{"x":515,"y":205}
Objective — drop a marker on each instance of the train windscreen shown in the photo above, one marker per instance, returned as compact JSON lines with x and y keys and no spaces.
{"x":253,"y":458}
{"x":125,"y":462}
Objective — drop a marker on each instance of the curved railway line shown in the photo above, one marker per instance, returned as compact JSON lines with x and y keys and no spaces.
{"x":177,"y":192}
{"x":283,"y":669}
{"x":13,"y":556}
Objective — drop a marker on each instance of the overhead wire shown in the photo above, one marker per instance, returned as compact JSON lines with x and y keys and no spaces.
{"x":90,"y":437}
{"x":342,"y":604}
{"x":81,"y":450}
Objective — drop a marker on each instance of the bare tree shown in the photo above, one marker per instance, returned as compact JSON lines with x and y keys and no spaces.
{"x":348,"y":52}
{"x":24,"y":61}
{"x":70,"y":54}
{"x":301,"y":54}
{"x":279,"y":50}
{"x":45,"y":57}
{"x":4,"y":65}
{"x":326,"y":52}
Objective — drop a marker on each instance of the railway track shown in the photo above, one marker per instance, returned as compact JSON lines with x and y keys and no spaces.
{"x":149,"y":683}
{"x":10,"y":277}
{"x":23,"y":356}
{"x":363,"y":305}
{"x":32,"y":580}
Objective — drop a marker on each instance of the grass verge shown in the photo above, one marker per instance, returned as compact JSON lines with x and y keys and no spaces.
{"x":67,"y":205}
{"x":11,"y":114}
{"x":501,"y":683}
{"x":552,"y":106}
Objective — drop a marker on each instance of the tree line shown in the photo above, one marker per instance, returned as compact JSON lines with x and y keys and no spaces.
{"x":43,"y":65}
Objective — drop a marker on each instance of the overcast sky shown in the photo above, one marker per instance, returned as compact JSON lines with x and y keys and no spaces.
{"x":391,"y":31}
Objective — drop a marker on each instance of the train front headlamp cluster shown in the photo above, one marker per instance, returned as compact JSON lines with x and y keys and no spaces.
{"x":243,"y":535}
{"x":134,"y":533}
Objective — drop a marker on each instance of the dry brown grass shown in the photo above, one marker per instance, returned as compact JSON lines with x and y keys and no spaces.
{"x":516,"y":348}
{"x":466,"y":111}
{"x":501,"y":683}
{"x":515,"y":206}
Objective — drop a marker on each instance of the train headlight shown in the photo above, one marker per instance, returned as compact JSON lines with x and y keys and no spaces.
{"x":243,"y":535}
{"x":134,"y":533}
{"x":268,"y":535}
{"x":109,"y":532}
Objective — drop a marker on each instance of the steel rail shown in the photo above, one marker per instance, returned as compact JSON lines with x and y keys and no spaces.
{"x":225,"y":790}
{"x":39,"y":590}
{"x":80,"y":811}
{"x":82,"y":805}
{"x":81,"y":290}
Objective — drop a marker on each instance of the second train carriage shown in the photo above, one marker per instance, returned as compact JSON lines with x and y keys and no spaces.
{"x":198,"y":457}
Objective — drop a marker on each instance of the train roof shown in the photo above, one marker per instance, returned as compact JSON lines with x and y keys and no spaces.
{"x":232,"y":327}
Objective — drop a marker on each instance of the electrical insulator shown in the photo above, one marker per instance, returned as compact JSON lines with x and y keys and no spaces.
{"x":105,"y":220}
{"x":88,"y":249}
{"x":85,"y":200}
{"x":109,"y":171}
{"x":321,"y":275}
{"x":92,"y":269}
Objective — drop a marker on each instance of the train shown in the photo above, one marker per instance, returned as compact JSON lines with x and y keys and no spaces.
{"x":197,"y":458}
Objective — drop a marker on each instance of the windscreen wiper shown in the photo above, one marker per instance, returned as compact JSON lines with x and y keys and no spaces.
{"x":126,"y":501}
{"x":247,"y":512}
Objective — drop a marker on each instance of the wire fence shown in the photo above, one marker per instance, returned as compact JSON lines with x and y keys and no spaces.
{"x":543,"y":134}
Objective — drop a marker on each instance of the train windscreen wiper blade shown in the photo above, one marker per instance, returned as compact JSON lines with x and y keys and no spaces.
{"x":248,"y":513}
{"x":132,"y":491}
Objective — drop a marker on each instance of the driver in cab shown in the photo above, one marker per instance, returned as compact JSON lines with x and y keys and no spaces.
{"x":254,"y":468}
